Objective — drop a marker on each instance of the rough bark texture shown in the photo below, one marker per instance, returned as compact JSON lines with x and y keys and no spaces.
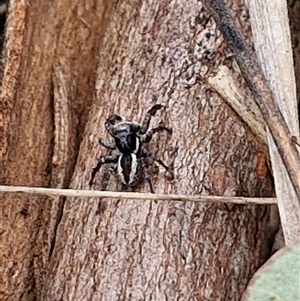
{"x":60,"y":36}
{"x":159,"y":251}
{"x":150,"y":52}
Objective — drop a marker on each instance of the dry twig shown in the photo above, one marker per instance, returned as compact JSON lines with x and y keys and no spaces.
{"x":258,"y":85}
{"x":272,"y":41}
{"x":271,"y":38}
{"x":240,"y":100}
{"x":134,"y":195}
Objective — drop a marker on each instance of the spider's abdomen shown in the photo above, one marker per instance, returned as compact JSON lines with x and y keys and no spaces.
{"x":129,"y":169}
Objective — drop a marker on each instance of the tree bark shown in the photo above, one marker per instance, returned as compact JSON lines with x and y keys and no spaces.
{"x":147,"y":53}
{"x":58,"y":49}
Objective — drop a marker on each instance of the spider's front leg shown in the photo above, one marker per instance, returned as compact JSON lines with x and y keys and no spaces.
{"x":148,"y":136}
{"x":103,"y":160}
{"x":107,"y":144}
{"x":147,"y":118}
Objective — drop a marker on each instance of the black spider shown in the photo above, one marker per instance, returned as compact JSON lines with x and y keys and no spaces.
{"x":129,"y":138}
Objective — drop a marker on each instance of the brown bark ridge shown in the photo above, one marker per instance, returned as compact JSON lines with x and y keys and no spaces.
{"x":9,"y":71}
{"x":154,"y":52}
{"x":54,"y":85}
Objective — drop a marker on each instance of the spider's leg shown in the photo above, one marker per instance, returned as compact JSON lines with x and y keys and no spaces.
{"x":148,"y":179}
{"x":103,"y":160}
{"x":107,"y":144}
{"x":148,"y":136}
{"x":147,"y":118}
{"x":147,"y":153}
{"x":106,"y":177}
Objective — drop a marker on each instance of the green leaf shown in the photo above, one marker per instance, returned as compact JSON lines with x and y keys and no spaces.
{"x":278,"y":279}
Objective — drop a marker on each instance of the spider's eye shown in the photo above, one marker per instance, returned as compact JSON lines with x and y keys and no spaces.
{"x":113,"y":119}
{"x":135,"y":128}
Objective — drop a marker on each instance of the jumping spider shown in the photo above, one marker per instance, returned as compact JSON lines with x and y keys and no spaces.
{"x":129,"y":162}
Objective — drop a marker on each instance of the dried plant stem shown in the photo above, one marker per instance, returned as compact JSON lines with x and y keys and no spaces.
{"x":269,"y":75}
{"x":258,"y":85}
{"x":134,"y":195}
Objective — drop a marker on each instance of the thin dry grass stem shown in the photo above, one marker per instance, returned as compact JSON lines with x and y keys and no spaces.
{"x":134,"y":195}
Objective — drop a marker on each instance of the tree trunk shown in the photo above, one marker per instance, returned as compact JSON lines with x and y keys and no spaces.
{"x":147,"y":53}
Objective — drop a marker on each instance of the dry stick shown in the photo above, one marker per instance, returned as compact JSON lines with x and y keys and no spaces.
{"x":241,"y":101}
{"x":259,"y":87}
{"x":134,"y":195}
{"x":272,"y":41}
